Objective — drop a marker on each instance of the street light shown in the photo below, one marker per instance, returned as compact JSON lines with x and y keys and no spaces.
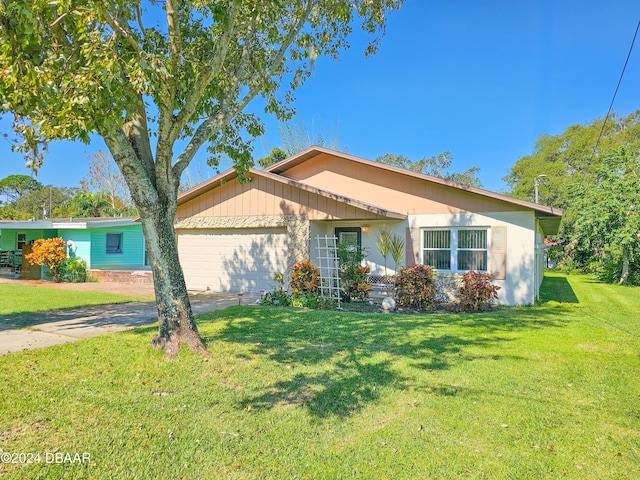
{"x":536,"y":184}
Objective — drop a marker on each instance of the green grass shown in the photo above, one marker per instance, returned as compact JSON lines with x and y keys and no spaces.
{"x":16,"y":299}
{"x":548,"y":391}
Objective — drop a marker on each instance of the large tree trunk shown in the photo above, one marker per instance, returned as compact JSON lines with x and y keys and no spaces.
{"x":175,"y":318}
{"x":625,"y":265}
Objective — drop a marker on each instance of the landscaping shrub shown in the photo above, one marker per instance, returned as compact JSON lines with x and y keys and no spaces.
{"x":49,"y":253}
{"x":476,"y":291}
{"x":416,"y":287}
{"x":73,"y":270}
{"x":277,"y":296}
{"x":353,"y":275}
{"x":305,"y":278}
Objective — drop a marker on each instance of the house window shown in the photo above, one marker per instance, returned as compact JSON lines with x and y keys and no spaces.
{"x":21,"y":240}
{"x":472,"y":250}
{"x":455,"y":249}
{"x":437,"y":249}
{"x":114,"y":243}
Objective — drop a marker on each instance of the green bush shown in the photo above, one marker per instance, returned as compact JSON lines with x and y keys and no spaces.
{"x":476,"y":292}
{"x":278,"y":296}
{"x":353,"y":275}
{"x":73,"y":270}
{"x":416,"y":287}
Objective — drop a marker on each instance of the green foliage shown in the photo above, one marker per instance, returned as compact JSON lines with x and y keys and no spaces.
{"x":274,"y":156}
{"x":415,"y":287}
{"x":15,"y":186}
{"x":608,"y":214}
{"x":476,"y":292}
{"x":73,"y":270}
{"x":436,"y":166}
{"x":574,"y":172}
{"x":278,"y":296}
{"x":9,"y":212}
{"x":383,"y":244}
{"x":49,"y":199}
{"x":353,"y":275}
{"x":87,"y":205}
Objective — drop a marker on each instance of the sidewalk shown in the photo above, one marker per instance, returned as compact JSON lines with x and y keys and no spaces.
{"x":62,"y":326}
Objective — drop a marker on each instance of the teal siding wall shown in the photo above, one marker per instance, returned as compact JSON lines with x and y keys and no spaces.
{"x":132,"y":256}
{"x":81,"y":244}
{"x":9,"y":236}
{"x":91,"y":245}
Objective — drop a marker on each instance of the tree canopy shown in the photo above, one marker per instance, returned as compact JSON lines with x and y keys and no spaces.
{"x":589,"y":172}
{"x":159,"y":80}
{"x":436,"y":166}
{"x":15,"y":186}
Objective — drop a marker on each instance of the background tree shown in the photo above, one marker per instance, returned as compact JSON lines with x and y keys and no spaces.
{"x":15,"y":186}
{"x":177,"y":70}
{"x":608,"y":220}
{"x":573,"y":167}
{"x":87,"y":205}
{"x":570,"y":158}
{"x":296,"y":137}
{"x":436,"y":166}
{"x":43,"y":202}
{"x":104,"y":178}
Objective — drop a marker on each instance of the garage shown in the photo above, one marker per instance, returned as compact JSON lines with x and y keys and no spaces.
{"x":233,"y":260}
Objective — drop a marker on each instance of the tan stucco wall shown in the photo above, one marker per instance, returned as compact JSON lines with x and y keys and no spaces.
{"x":391,"y":190}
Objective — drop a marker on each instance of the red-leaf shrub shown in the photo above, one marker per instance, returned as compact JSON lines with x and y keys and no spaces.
{"x":476,"y":292}
{"x":416,"y":287}
{"x":305,"y":278}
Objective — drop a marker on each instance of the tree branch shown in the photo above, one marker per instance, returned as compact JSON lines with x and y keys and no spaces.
{"x":123,"y":30}
{"x":213,"y":123}
{"x":208,"y":73}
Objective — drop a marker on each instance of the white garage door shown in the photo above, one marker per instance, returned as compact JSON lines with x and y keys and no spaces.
{"x":238,"y":260}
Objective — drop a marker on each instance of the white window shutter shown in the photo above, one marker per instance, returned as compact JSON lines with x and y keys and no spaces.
{"x":499,"y":252}
{"x":412,"y":246}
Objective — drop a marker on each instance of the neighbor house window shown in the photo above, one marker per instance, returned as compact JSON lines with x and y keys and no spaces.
{"x":455,"y":249}
{"x":114,"y":243}
{"x":21,"y":240}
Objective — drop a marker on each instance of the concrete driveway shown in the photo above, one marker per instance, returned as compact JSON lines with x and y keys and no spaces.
{"x":62,"y":326}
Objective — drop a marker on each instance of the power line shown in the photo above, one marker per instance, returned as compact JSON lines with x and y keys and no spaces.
{"x":616,"y":92}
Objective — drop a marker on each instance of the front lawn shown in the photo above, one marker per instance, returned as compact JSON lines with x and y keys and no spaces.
{"x":25,"y":299}
{"x":549,"y":391}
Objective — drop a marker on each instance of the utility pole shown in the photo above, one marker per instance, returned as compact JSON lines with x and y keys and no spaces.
{"x":536,"y":184}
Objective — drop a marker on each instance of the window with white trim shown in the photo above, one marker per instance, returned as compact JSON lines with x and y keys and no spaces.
{"x":455,"y":249}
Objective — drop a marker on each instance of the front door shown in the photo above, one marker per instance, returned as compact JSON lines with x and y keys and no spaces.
{"x":351,"y":235}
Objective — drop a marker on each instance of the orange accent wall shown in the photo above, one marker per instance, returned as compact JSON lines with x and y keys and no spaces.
{"x":390,"y":190}
{"x":264,"y":196}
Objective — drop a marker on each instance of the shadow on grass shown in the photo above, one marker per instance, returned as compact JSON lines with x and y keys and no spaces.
{"x":350,"y":358}
{"x":131,"y":314}
{"x":557,"y":289}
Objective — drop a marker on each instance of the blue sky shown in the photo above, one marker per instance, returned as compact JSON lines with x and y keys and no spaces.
{"x":480,"y":79}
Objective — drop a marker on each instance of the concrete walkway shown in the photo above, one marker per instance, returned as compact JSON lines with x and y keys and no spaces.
{"x":62,"y":326}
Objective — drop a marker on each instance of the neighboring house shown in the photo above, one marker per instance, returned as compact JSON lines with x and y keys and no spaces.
{"x":106,"y":244}
{"x":234,"y":236}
